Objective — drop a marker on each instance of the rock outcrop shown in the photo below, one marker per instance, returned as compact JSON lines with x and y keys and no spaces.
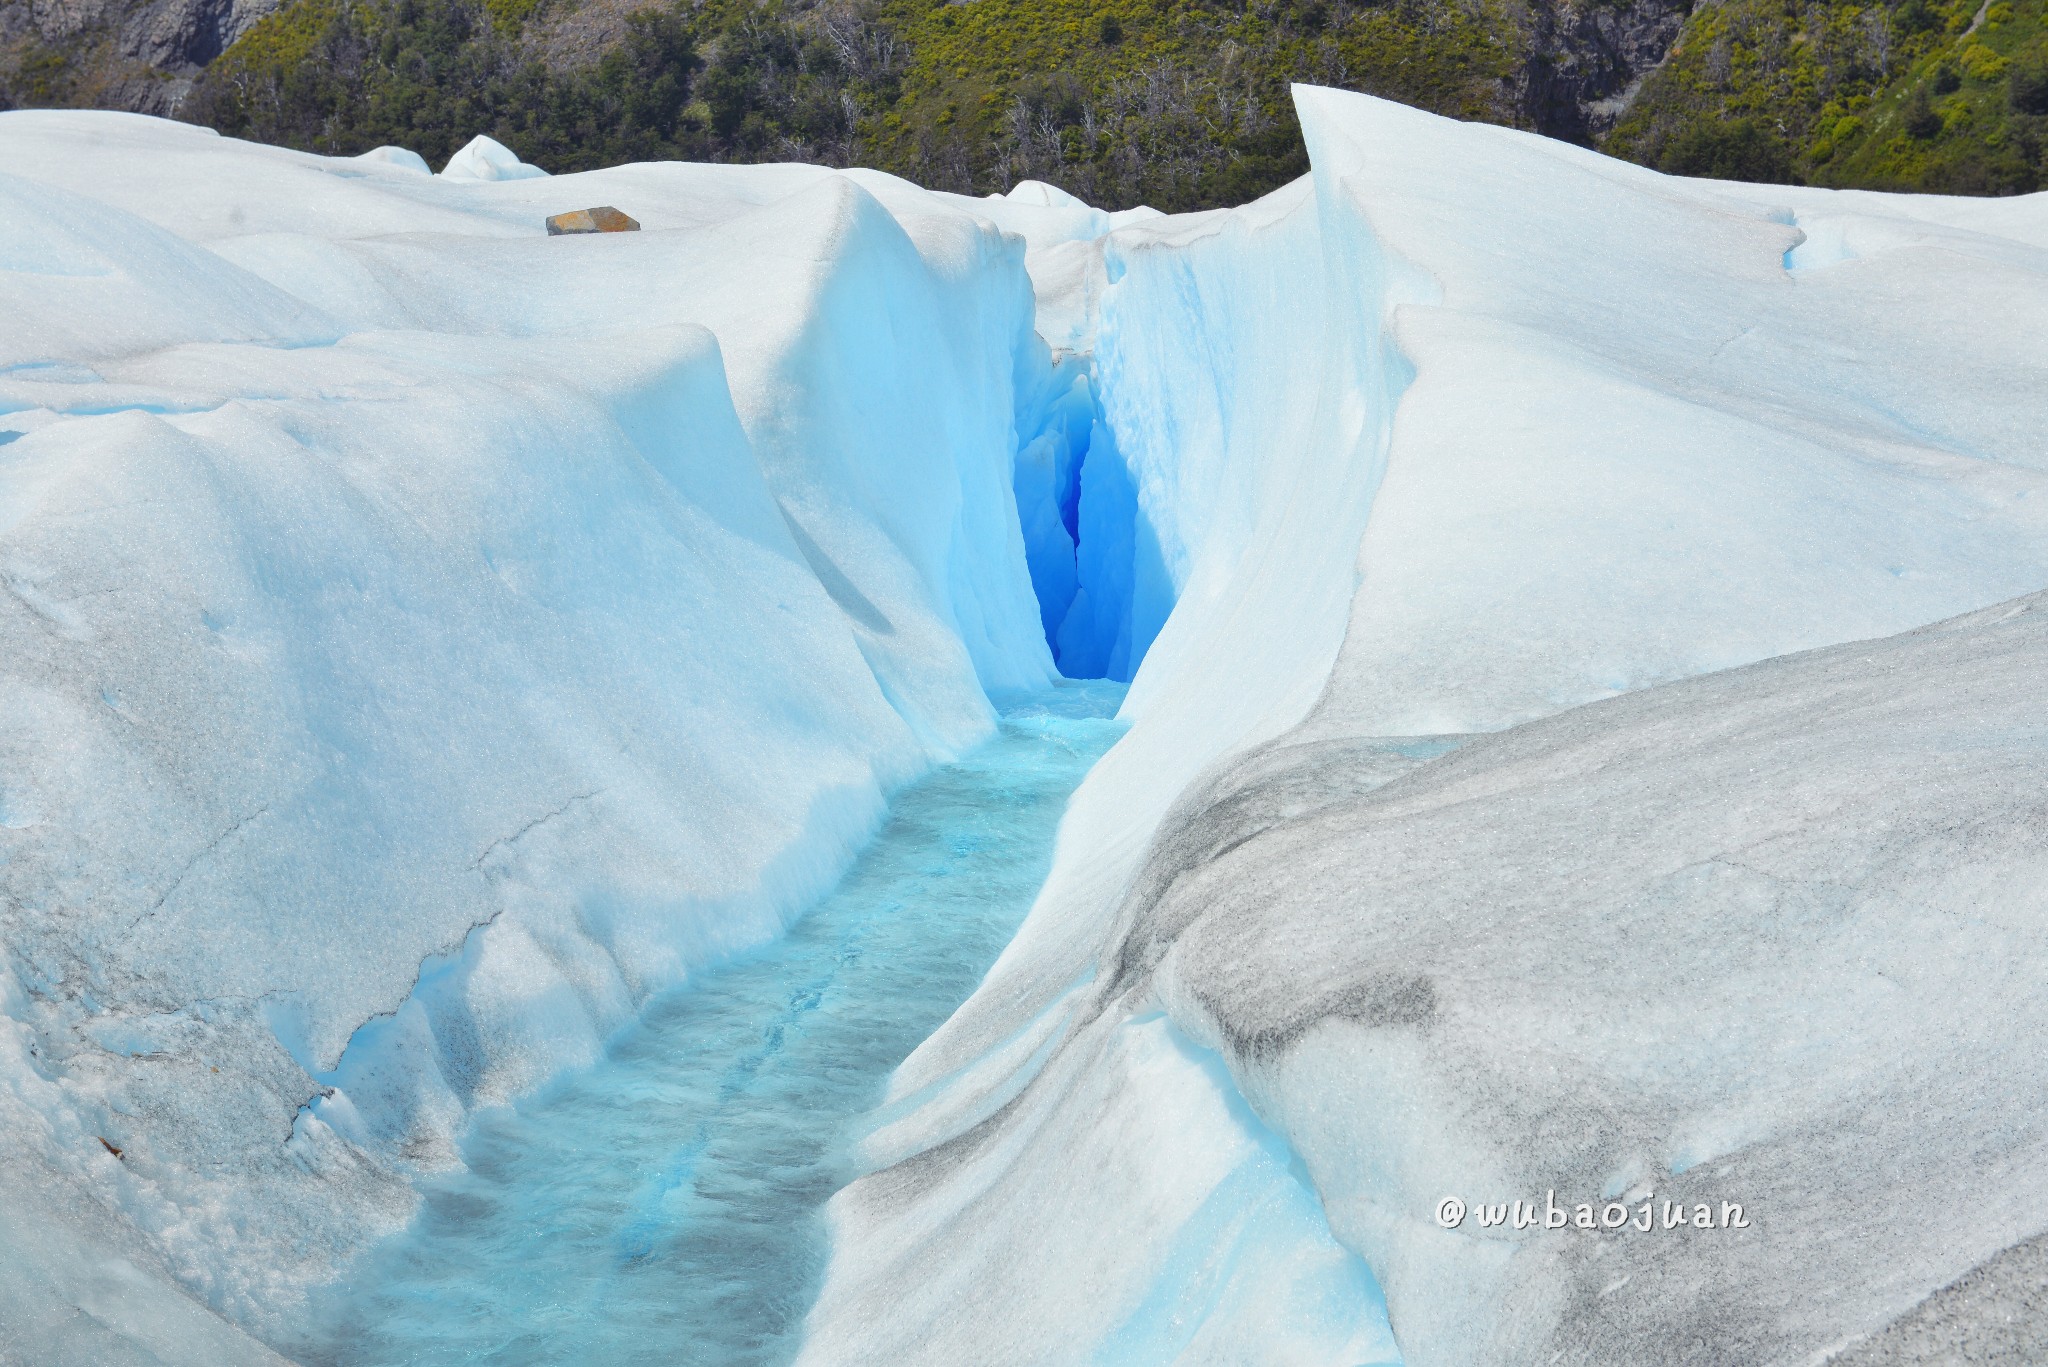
{"x":140,"y":55}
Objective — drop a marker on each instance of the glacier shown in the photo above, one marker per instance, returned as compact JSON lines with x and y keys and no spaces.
{"x":1466,"y":431}
{"x":666,"y":1202}
{"x":413,"y":665}
{"x":425,"y":642}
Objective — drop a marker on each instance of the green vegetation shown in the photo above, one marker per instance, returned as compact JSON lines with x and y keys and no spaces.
{"x":1937,"y":95}
{"x":340,"y":77}
{"x":1180,"y":103}
{"x":1177,"y":103}
{"x":36,"y":75}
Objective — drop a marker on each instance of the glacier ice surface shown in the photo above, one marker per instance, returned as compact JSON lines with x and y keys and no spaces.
{"x":679,"y":1182}
{"x":420,"y":643}
{"x":1465,"y":431}
{"x":423,"y":641}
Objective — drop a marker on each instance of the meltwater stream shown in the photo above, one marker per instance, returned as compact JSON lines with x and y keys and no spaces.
{"x":665,"y":1206}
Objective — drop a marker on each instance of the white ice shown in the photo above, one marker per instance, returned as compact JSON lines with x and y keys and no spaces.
{"x":1467,"y":429}
{"x":421,"y":639}
{"x":481,"y":158}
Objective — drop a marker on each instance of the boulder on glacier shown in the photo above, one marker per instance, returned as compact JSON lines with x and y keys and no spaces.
{"x":601,"y":219}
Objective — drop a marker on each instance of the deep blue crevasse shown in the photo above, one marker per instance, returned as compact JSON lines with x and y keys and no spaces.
{"x":1103,"y":591}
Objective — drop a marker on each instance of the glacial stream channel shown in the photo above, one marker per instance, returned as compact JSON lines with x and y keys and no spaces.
{"x":667,"y":1204}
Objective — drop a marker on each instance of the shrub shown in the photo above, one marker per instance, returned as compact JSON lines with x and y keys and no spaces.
{"x":1916,"y":16}
{"x":2028,"y":92}
{"x":1980,"y":63}
{"x":1741,"y":150}
{"x":1919,"y":117}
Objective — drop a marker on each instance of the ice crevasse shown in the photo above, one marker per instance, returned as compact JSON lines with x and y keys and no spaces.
{"x":1464,"y":455}
{"x":421,"y":643}
{"x":423,"y":639}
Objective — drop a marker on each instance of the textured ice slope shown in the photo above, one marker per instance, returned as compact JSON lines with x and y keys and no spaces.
{"x":1773,"y":936}
{"x":1467,"y":429}
{"x":421,"y":638}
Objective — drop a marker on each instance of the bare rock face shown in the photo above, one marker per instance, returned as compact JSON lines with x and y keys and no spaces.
{"x":140,"y":56}
{"x":602,"y":219}
{"x":175,"y":34}
{"x":1585,"y":62}
{"x":566,"y":37}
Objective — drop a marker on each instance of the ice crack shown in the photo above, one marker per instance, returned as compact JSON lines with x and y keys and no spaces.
{"x":193,"y":863}
{"x":506,"y":842}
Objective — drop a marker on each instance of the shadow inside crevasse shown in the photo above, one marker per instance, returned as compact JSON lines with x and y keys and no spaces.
{"x":1095,"y":560}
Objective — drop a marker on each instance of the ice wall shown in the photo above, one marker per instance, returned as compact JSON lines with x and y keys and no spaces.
{"x":1047,"y":482}
{"x":1467,"y":429}
{"x":421,"y":638}
{"x":1233,"y":330}
{"x":1103,"y":590}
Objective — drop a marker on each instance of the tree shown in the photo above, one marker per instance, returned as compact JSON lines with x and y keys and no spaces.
{"x":1920,"y":118}
{"x":1741,"y":150}
{"x":2028,"y":92}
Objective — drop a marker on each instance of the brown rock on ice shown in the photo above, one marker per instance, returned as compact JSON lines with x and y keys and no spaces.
{"x":603,"y":219}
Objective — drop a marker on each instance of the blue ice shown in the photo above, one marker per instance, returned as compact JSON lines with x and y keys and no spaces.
{"x":1102,"y":584}
{"x":666,"y":1205}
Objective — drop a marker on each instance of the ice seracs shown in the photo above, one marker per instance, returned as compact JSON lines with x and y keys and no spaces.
{"x":484,"y":158}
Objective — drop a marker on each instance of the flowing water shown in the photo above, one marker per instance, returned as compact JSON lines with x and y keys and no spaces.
{"x":666,"y":1205}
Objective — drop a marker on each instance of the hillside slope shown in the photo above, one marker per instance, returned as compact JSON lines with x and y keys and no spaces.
{"x":1180,"y":104}
{"x":1949,"y":96}
{"x":141,"y":55}
{"x":1177,"y":103}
